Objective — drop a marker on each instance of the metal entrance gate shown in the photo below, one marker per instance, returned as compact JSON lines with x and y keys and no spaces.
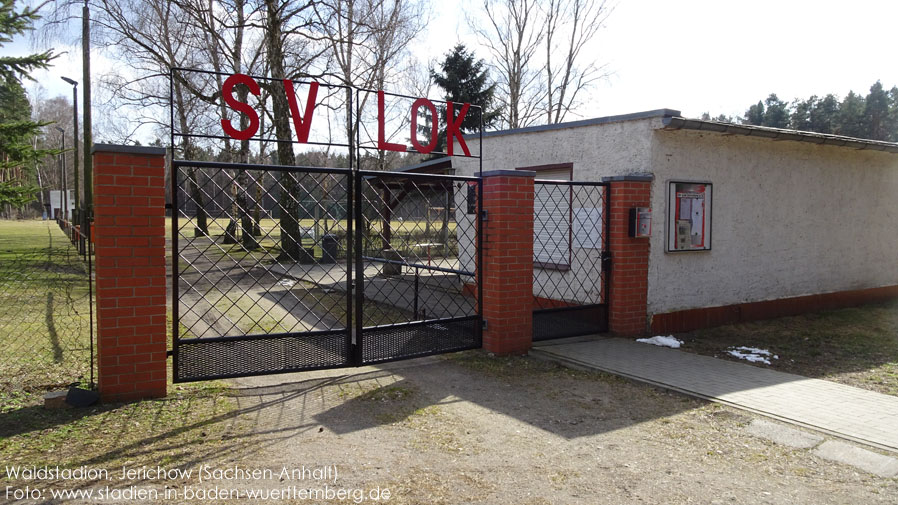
{"x":570,"y":258}
{"x":281,"y":269}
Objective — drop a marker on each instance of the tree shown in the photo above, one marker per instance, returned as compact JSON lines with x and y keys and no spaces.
{"x":823,"y":115}
{"x":879,"y":123}
{"x":17,"y":130}
{"x":800,"y":118}
{"x":755,"y":114}
{"x":574,"y":23}
{"x":851,"y":120}
{"x":465,"y":79}
{"x":513,"y":36}
{"x":776,"y":112}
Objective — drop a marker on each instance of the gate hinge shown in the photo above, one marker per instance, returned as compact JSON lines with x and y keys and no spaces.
{"x":168,"y":206}
{"x":484,"y":215}
{"x":483,"y":324}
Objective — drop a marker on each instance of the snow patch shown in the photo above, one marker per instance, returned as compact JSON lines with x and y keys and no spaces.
{"x":752,"y":354}
{"x":668,"y":341}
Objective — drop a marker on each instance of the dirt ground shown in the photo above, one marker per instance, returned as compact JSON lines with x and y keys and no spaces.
{"x":474,"y":429}
{"x":456,"y":429}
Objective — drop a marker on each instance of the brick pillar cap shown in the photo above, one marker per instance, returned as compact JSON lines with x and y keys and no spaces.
{"x":509,"y":173}
{"x":117,"y":148}
{"x":630,"y":178}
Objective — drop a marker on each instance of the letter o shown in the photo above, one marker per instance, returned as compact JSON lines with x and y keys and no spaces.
{"x":433,"y":126}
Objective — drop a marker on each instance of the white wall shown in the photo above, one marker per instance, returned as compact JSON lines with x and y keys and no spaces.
{"x":789,"y":219}
{"x":596,"y":151}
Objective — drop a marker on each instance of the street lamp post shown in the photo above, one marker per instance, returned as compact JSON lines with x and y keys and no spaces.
{"x":74,"y":84}
{"x":80,"y":216}
{"x":64,"y":197}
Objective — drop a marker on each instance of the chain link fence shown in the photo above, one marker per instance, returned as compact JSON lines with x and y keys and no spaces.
{"x":46,"y":318}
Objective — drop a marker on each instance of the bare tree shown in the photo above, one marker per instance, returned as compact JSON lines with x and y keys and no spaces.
{"x":531,"y":86}
{"x":366,"y":39}
{"x":569,"y":26}
{"x":513,"y":36}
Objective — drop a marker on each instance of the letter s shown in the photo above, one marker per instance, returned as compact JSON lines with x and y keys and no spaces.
{"x":227,"y":92}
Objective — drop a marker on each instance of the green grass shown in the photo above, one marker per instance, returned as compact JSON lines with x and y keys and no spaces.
{"x":44,"y":328}
{"x":855,"y":346}
{"x":193,"y":421}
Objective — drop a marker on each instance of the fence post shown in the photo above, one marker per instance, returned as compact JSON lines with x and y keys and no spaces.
{"x":508,"y":261}
{"x":129,"y":229}
{"x":628,"y":289}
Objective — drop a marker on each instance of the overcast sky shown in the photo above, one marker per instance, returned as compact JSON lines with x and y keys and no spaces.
{"x":717,"y":56}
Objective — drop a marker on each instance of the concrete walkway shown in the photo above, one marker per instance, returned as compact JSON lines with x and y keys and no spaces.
{"x":843,"y":411}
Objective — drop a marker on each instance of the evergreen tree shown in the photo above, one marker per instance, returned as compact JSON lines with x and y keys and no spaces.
{"x":851,"y":121}
{"x":801,"y":114}
{"x":466,"y":80}
{"x":755,"y":114}
{"x":824,"y":115}
{"x":17,"y":154}
{"x":776,"y":112}
{"x":893,"y":113}
{"x":877,"y":117}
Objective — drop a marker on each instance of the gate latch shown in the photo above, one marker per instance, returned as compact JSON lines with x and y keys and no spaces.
{"x":606,"y":261}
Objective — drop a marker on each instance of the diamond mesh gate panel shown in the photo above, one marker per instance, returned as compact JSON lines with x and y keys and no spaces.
{"x":260,"y":271}
{"x":418,"y":242}
{"x":569,"y":239}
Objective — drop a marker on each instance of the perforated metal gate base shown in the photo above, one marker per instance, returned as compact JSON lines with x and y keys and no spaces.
{"x":420,"y":339}
{"x":567,"y":322}
{"x":204,"y":359}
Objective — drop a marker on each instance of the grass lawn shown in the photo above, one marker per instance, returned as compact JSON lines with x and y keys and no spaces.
{"x":855,"y":346}
{"x":45,"y":322}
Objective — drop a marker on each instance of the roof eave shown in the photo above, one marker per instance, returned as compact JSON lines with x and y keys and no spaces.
{"x":681,"y":123}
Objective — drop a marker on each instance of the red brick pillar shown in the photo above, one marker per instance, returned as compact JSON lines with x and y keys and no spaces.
{"x":129,"y":232}
{"x":628,"y":287}
{"x":507,"y":268}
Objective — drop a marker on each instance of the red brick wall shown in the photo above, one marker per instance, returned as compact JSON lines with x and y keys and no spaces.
{"x":507,"y":269}
{"x":629,"y":259}
{"x":693,"y":319}
{"x":129,"y":214}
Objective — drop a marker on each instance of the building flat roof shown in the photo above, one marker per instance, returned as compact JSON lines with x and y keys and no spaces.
{"x":576,"y":124}
{"x":672,"y":120}
{"x":681,"y":123}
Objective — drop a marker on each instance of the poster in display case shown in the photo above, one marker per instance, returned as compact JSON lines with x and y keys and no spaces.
{"x":689,"y":216}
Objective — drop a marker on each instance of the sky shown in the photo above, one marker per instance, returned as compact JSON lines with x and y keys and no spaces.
{"x":695,"y":56}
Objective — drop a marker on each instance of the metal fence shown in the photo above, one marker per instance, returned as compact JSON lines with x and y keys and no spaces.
{"x":46,"y":326}
{"x":570,"y":259}
{"x":280,"y":269}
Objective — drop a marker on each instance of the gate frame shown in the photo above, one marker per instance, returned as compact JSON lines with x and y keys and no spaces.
{"x":355,"y":332}
{"x":604,"y":269}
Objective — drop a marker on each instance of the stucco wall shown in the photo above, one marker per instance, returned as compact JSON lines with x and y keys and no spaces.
{"x":595,"y":151}
{"x":600,"y":150}
{"x":789,"y":219}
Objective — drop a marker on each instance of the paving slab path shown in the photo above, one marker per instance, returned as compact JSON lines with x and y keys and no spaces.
{"x":843,"y":411}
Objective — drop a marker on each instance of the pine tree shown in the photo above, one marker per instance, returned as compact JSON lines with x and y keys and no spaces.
{"x":755,"y":114}
{"x":776,"y":112}
{"x":801,"y":114}
{"x":851,"y":120}
{"x":824,"y":115}
{"x":877,"y":118}
{"x":17,"y":154}
{"x":466,"y":80}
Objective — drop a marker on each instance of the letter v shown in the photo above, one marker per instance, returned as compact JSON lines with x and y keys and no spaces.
{"x":303,"y":123}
